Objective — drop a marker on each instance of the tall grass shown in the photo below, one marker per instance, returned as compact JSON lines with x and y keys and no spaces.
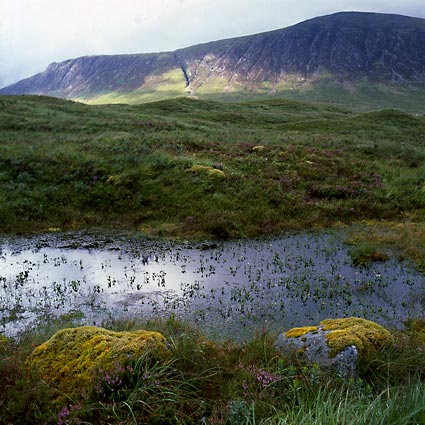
{"x":210,"y":382}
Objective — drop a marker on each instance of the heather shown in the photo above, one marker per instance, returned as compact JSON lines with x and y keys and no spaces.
{"x":210,"y":382}
{"x":198,"y":169}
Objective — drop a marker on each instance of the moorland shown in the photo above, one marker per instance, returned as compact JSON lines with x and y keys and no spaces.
{"x":192,"y":169}
{"x":187,"y":168}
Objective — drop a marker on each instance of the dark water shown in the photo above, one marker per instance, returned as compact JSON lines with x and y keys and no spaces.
{"x":229,"y":289}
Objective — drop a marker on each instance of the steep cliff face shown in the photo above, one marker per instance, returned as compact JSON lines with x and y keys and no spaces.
{"x":350,"y":46}
{"x":345,"y":47}
{"x":89,"y":75}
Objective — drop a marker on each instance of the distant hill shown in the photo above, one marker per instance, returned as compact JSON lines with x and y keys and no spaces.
{"x":364,"y":60}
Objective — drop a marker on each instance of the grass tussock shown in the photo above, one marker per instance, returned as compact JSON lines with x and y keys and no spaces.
{"x":210,"y":382}
{"x":371,"y":244}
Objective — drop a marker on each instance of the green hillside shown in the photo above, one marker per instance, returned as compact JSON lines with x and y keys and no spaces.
{"x":190,"y":168}
{"x":359,"y":96}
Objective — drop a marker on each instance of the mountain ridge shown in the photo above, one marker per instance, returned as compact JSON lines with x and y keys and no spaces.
{"x":343,"y":49}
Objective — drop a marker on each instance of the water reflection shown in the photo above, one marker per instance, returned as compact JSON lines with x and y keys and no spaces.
{"x":295,"y":280}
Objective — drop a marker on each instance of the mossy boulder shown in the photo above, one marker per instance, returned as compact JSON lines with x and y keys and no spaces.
{"x":70,"y":359}
{"x":207,"y":171}
{"x":368,"y":337}
{"x":337,"y":343}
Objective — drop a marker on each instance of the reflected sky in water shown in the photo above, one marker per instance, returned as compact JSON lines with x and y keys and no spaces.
{"x":228,"y":289}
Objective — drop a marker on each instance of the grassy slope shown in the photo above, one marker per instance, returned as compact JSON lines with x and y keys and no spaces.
{"x":157,"y":87}
{"x":66,"y":164}
{"x":361,"y":96}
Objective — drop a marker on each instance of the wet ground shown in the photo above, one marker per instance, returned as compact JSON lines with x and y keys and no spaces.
{"x":227,"y":288}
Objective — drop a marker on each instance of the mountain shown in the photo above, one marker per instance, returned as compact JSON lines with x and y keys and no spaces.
{"x":352,"y":57}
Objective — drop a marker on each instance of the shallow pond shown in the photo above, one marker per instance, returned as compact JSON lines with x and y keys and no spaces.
{"x":229,"y":289}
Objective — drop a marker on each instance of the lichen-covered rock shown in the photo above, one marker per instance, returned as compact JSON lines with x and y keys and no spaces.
{"x":365,"y":335}
{"x":336,"y":343}
{"x":70,"y":358}
{"x":207,"y":170}
{"x":297,"y":332}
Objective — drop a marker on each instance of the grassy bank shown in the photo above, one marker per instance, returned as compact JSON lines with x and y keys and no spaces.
{"x":206,"y":382}
{"x":202,"y":169}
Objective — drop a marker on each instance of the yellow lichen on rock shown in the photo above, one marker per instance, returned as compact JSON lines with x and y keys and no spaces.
{"x":70,"y":358}
{"x":297,"y":332}
{"x":339,"y":344}
{"x":367,"y":336}
{"x":209,"y":171}
{"x":215,"y":172}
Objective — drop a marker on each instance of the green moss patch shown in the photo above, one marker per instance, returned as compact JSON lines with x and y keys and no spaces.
{"x":367,"y":336}
{"x":69,"y":359}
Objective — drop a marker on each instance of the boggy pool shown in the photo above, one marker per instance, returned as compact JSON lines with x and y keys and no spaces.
{"x":228,"y":288}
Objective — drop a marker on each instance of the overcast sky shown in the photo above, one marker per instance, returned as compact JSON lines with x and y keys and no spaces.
{"x":34,"y":33}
